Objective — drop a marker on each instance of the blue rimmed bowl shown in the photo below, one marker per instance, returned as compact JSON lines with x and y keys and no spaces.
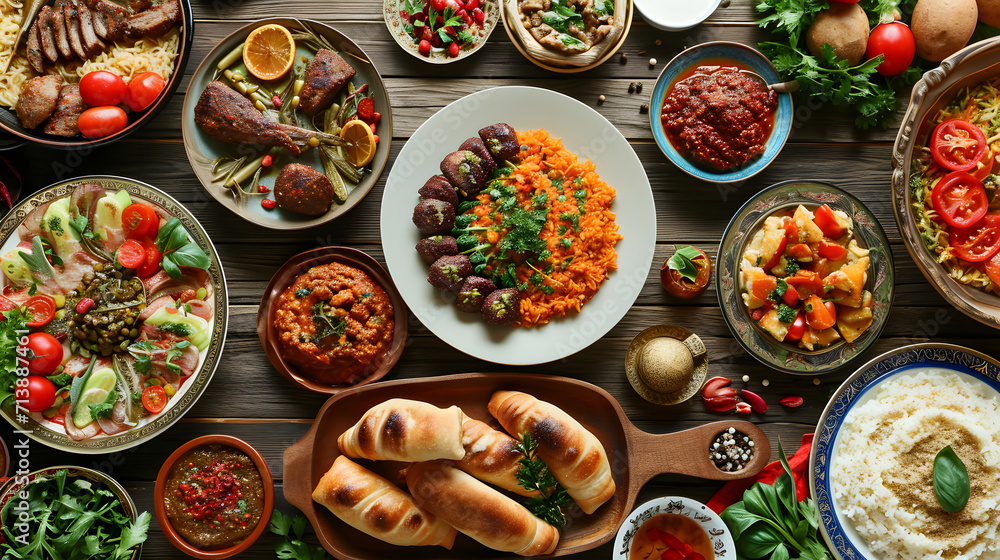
{"x":785,"y":356}
{"x":837,"y":529}
{"x":742,"y":54}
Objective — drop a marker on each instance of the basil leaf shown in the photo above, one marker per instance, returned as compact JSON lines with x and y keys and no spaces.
{"x":755,"y":501}
{"x":759,"y":542}
{"x":683,"y":262}
{"x":809,"y":512}
{"x":786,"y":490}
{"x":780,"y":552}
{"x":191,"y":255}
{"x":738,"y":519}
{"x":77,"y":386}
{"x":170,"y":267}
{"x":163,"y":236}
{"x":951,"y":481}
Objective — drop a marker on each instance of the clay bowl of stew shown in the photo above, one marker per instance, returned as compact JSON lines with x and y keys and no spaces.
{"x":781,"y":199}
{"x":230,"y":459}
{"x":775,"y":123}
{"x":374,"y":367}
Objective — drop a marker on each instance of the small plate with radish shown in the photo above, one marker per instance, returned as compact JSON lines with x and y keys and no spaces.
{"x":441,"y":31}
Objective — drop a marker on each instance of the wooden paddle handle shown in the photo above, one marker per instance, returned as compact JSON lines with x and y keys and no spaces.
{"x":297,"y":479}
{"x":687,"y":452}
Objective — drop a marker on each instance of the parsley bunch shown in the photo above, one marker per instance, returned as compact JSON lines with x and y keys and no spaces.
{"x":13,"y":321}
{"x":534,"y":475}
{"x":291,"y":546}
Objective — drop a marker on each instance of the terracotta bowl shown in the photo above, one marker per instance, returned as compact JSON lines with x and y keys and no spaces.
{"x":266,"y":479}
{"x":13,"y":486}
{"x":287,"y":274}
{"x":11,"y":125}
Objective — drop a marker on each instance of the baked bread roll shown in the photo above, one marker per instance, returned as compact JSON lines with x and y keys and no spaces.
{"x":479,"y":511}
{"x":405,"y":430}
{"x":574,"y":456}
{"x":375,"y":506}
{"x":490,"y":456}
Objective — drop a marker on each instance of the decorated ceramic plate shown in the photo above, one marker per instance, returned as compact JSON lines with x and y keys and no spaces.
{"x":909,"y":373}
{"x":400,"y":16}
{"x":248,"y":202}
{"x":688,"y":520}
{"x":141,"y":341}
{"x":588,"y":135}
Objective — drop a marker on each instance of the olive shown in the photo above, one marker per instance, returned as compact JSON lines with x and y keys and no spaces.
{"x":134,"y":333}
{"x":99,"y":267}
{"x":129,"y":320}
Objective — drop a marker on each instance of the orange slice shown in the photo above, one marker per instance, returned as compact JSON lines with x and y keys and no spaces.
{"x":269,"y":52}
{"x":362,"y":148}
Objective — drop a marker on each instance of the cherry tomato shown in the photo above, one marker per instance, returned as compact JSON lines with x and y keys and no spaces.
{"x":152,"y":262}
{"x":818,"y":315}
{"x":957,"y":145}
{"x":140,"y":220}
{"x":960,"y":199}
{"x":154,"y":398}
{"x":895,"y":41}
{"x":757,"y":314}
{"x":41,"y":308}
{"x":424,"y":47}
{"x":101,"y":88}
{"x":131,"y":254}
{"x":143,"y":90}
{"x":98,"y":122}
{"x":681,"y":287}
{"x":41,"y":394}
{"x":800,"y":251}
{"x":832,"y":251}
{"x":791,"y":232}
{"x":453,"y":49}
{"x":979,"y":242}
{"x":828,"y":222}
{"x":791,"y":296}
{"x":439,"y":5}
{"x":798,"y":327}
{"x":47,"y":352}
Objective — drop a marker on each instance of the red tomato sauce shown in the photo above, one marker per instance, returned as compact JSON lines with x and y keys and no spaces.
{"x":718,"y":119}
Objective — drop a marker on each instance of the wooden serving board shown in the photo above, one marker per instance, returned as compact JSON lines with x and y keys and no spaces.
{"x":635,"y":456}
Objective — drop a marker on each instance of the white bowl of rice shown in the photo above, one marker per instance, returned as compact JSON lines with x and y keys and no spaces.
{"x":872,"y":468}
{"x":167,"y":55}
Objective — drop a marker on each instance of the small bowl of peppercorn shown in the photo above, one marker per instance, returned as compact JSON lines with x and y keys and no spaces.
{"x":713,"y":119}
{"x":214,"y":496}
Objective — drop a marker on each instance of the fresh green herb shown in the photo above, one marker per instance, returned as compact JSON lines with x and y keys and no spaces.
{"x":537,"y":279}
{"x":291,"y":546}
{"x":103,"y":410}
{"x":37,"y":262}
{"x":303,"y":292}
{"x":144,"y":350}
{"x":951,"y":481}
{"x":242,"y":505}
{"x":562,"y":229}
{"x":791,"y":267}
{"x":567,"y":242}
{"x":557,"y":184}
{"x":683,"y":262}
{"x":466,"y":205}
{"x":55,"y":225}
{"x":561,"y":17}
{"x":12,"y":329}
{"x":604,"y":8}
{"x":175,"y":351}
{"x":779,"y":290}
{"x":770,"y":522}
{"x":70,"y":519}
{"x":574,"y":218}
{"x":547,"y":290}
{"x":179,"y":329}
{"x":523,"y":228}
{"x":540,"y":199}
{"x":327,"y":324}
{"x":786,"y":314}
{"x":365,"y":296}
{"x":534,"y":475}
{"x":561,"y":198}
{"x":173,"y":243}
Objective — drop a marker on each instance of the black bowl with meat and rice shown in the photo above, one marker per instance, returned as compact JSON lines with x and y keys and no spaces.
{"x":60,"y":41}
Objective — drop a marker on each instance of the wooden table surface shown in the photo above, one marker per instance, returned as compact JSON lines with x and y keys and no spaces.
{"x":247,"y":398}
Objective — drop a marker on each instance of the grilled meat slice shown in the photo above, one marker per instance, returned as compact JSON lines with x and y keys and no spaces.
{"x":155,"y":21}
{"x":45,"y":33}
{"x":68,"y":111}
{"x":34,"y":50}
{"x":62,"y":36}
{"x":302,"y":189}
{"x":138,"y":6}
{"x":38,"y":99}
{"x":227,"y":116}
{"x":72,"y":17}
{"x":90,"y":40}
{"x":326,"y":75}
{"x":109,"y":19}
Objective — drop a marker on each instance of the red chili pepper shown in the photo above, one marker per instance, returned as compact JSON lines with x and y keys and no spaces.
{"x":266,"y":162}
{"x":268,"y":203}
{"x":263,"y":189}
{"x":84,"y":305}
{"x":791,"y":401}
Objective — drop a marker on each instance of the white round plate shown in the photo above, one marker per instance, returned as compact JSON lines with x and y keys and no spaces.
{"x":584,"y":132}
{"x":710,"y":522}
{"x":972,"y":366}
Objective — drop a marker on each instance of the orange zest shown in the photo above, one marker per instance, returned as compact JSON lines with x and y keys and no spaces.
{"x":269,"y":52}
{"x":362,"y":148}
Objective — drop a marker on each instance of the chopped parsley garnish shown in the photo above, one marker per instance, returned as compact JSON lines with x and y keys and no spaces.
{"x":566,"y":243}
{"x":365,"y":296}
{"x":779,"y":290}
{"x":55,"y":225}
{"x":179,"y":329}
{"x":540,"y":199}
{"x":547,"y":290}
{"x":326,"y":324}
{"x":562,"y":229}
{"x":523,"y":228}
{"x":302,"y":292}
{"x":574,"y":218}
{"x":791,"y":267}
{"x":786,"y":314}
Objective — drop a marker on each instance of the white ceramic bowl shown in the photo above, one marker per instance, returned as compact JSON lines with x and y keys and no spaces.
{"x":712,"y":524}
{"x":675,"y":15}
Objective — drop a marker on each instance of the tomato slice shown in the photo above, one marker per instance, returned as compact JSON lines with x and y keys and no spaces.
{"x":960,"y":199}
{"x":957,"y":145}
{"x":131,"y":254}
{"x":140,"y":220}
{"x":806,"y":283}
{"x":828,"y":222}
{"x":979,"y":242}
{"x":154,"y":399}
{"x":984,"y":167}
{"x":832,"y":251}
{"x":151,"y":263}
{"x":791,"y":232}
{"x":993,"y":268}
{"x":819,"y":316}
{"x":798,"y":327}
{"x":791,"y":296}
{"x":800,"y":251}
{"x":6,"y":305}
{"x":42,"y":309}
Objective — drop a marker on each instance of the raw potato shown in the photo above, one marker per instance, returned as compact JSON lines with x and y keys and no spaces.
{"x":942,"y":27}
{"x":844,"y":27}
{"x":989,"y":12}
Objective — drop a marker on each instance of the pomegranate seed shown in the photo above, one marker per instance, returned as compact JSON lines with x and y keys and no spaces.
{"x":376,"y":138}
{"x":755,"y":401}
{"x":471,"y":5}
{"x":267,"y":160}
{"x":263,"y":189}
{"x":277,"y":101}
{"x":268,"y":203}
{"x":453,"y":50}
{"x":376,"y":117}
{"x":791,"y":401}
{"x":84,"y":305}
{"x":479,"y":15}
{"x":372,"y":126}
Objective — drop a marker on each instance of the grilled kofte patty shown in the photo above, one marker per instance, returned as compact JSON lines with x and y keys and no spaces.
{"x":449,"y":272}
{"x":433,"y":248}
{"x":433,"y":217}
{"x":466,"y":171}
{"x":302,"y":189}
{"x":438,"y":187}
{"x":501,"y":140}
{"x":473,"y":293}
